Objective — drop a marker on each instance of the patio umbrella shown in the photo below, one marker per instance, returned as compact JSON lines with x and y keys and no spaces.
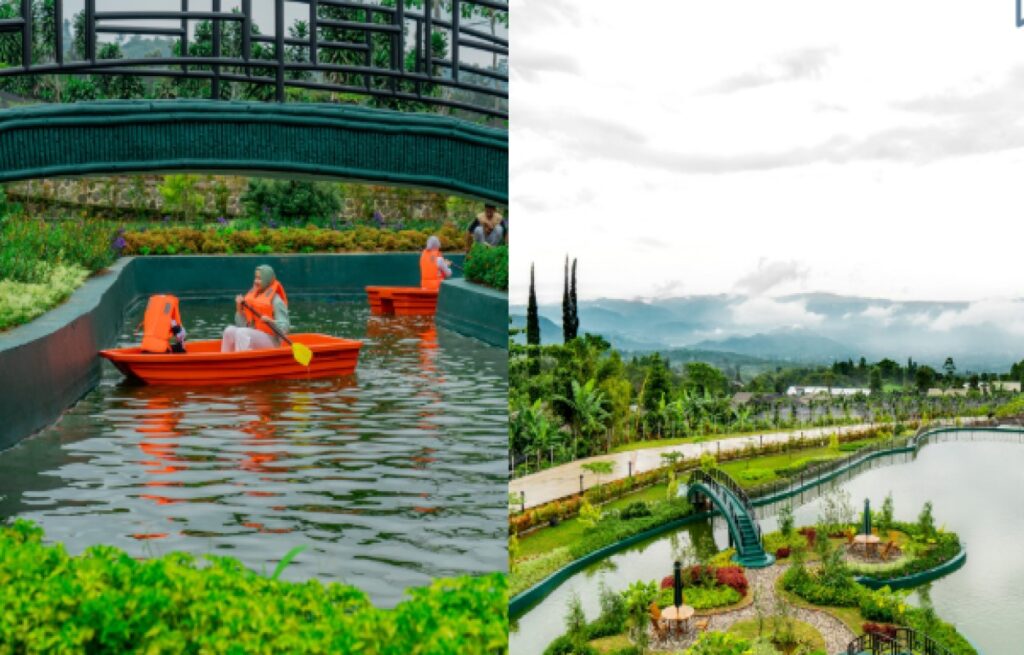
{"x":678,"y":598}
{"x":867,"y":516}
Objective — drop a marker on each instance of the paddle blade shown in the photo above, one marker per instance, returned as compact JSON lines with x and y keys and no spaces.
{"x":302,"y":354}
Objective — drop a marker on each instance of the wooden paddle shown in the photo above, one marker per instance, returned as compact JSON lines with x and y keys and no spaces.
{"x":300,"y":352}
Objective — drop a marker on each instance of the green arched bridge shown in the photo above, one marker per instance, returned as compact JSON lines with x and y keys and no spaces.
{"x":734,"y":505}
{"x":336,"y":141}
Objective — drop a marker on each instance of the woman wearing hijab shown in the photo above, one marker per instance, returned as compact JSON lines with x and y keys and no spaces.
{"x":250,"y":331}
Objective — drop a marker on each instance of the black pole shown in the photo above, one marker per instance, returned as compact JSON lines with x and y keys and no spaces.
{"x":678,"y":596}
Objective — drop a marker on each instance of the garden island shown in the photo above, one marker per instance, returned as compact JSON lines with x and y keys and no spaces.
{"x":204,"y":194}
{"x":664,"y":504}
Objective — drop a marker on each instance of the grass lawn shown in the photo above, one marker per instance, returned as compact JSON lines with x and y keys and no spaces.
{"x":659,"y":443}
{"x":611,"y":644}
{"x":804,"y":632}
{"x":568,"y":531}
{"x":769,"y":463}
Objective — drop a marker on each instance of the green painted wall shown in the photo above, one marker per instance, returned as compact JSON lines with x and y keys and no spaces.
{"x":474,"y":310}
{"x":309,"y":140}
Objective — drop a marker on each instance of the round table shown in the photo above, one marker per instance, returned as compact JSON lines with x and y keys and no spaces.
{"x":867,"y":541}
{"x":680,"y":616}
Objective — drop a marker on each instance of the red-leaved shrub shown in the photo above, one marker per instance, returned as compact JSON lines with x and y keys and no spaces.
{"x":729,"y":576}
{"x":810,"y":533}
{"x":882,"y":629}
{"x":782,"y":553}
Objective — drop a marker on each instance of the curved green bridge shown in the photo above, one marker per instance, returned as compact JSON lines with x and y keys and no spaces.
{"x":735,"y":507}
{"x":427,"y":151}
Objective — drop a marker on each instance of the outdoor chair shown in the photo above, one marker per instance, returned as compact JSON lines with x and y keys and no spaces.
{"x":888,"y":548}
{"x":660,"y":630}
{"x":701,"y":625}
{"x":849,"y":537}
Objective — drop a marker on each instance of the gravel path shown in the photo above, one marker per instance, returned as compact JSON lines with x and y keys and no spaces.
{"x":762,"y":583}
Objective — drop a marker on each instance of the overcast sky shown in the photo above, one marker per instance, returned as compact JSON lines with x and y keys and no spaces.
{"x":870,"y":148}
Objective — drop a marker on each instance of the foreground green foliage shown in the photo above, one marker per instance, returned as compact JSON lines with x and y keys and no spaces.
{"x":106,"y":601}
{"x":488,"y":265}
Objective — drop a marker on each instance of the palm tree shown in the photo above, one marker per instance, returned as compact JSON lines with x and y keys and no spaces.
{"x":588,"y":413}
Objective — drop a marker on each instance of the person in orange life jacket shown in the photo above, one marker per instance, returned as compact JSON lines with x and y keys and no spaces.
{"x":268,"y":298}
{"x":162,"y":328}
{"x":434,"y":268}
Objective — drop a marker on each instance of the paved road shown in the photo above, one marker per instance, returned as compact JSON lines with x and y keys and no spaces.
{"x":564,"y":480}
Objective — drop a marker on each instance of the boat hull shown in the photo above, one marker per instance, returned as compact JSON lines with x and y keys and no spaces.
{"x":205,"y":364}
{"x":402,"y":301}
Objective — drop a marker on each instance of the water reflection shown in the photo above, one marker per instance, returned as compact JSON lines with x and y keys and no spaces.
{"x":391,"y":477}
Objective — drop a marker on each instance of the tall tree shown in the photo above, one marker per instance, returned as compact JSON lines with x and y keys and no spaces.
{"x":567,"y":334}
{"x":532,"y":319}
{"x":574,"y":306}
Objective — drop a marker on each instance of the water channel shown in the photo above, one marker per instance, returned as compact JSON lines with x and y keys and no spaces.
{"x":974,"y":481}
{"x":391,"y":477}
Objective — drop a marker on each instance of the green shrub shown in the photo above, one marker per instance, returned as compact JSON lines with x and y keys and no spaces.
{"x":702,"y":598}
{"x":754,"y":474}
{"x":106,"y":601}
{"x":635,"y":511}
{"x":181,"y":195}
{"x":488,"y":265}
{"x":291,"y":201}
{"x":27,"y":243}
{"x":718,"y":643}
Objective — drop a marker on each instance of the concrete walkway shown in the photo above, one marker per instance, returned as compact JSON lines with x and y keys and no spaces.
{"x":565,"y":480}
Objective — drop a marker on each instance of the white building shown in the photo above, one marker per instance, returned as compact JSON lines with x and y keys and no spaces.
{"x":824,"y":391}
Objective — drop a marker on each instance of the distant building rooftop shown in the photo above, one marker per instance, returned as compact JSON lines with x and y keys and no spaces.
{"x":825,"y":391}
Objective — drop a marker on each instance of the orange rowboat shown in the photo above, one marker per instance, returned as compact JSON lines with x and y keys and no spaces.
{"x":402,"y":301}
{"x":204,"y":363}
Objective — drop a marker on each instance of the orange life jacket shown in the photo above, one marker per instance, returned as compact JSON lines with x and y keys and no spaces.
{"x":430,"y":277}
{"x":263,"y":303}
{"x":156,"y":323}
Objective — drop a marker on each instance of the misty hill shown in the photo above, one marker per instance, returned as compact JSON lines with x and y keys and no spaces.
{"x":805,"y":328}
{"x":795,"y":346}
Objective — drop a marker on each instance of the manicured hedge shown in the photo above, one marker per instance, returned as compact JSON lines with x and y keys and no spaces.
{"x":225,"y":239}
{"x":104,"y":601}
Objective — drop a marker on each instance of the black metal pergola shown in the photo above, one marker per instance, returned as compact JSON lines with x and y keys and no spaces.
{"x":380,"y":42}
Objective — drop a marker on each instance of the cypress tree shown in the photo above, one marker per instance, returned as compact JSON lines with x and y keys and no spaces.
{"x":532,"y":328}
{"x":574,"y":307}
{"x":532,"y":320}
{"x":567,"y":334}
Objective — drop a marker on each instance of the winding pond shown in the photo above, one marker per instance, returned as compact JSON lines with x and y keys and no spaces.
{"x":976,"y":483}
{"x":391,"y":477}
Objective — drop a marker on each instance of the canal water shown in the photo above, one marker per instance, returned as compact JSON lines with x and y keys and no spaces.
{"x":390,"y":477}
{"x":976,"y":487}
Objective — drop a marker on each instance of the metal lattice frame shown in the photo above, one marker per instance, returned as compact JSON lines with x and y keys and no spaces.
{"x":393,"y":23}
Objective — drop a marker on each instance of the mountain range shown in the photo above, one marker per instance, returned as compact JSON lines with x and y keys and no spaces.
{"x":799,"y":328}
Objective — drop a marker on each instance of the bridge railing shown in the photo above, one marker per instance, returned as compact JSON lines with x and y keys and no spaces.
{"x":904,"y":640}
{"x":388,"y":50}
{"x":720,"y":479}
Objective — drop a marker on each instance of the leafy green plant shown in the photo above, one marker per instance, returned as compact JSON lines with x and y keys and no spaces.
{"x":105,"y":601}
{"x":488,"y":265}
{"x":291,"y":201}
{"x":20,"y":302}
{"x":181,"y":195}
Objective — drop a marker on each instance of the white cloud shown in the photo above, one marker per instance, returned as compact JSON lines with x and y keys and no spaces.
{"x":833,"y":147}
{"x":1004,"y":313}
{"x":769,"y":275}
{"x":769,"y":313}
{"x":884,"y":314}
